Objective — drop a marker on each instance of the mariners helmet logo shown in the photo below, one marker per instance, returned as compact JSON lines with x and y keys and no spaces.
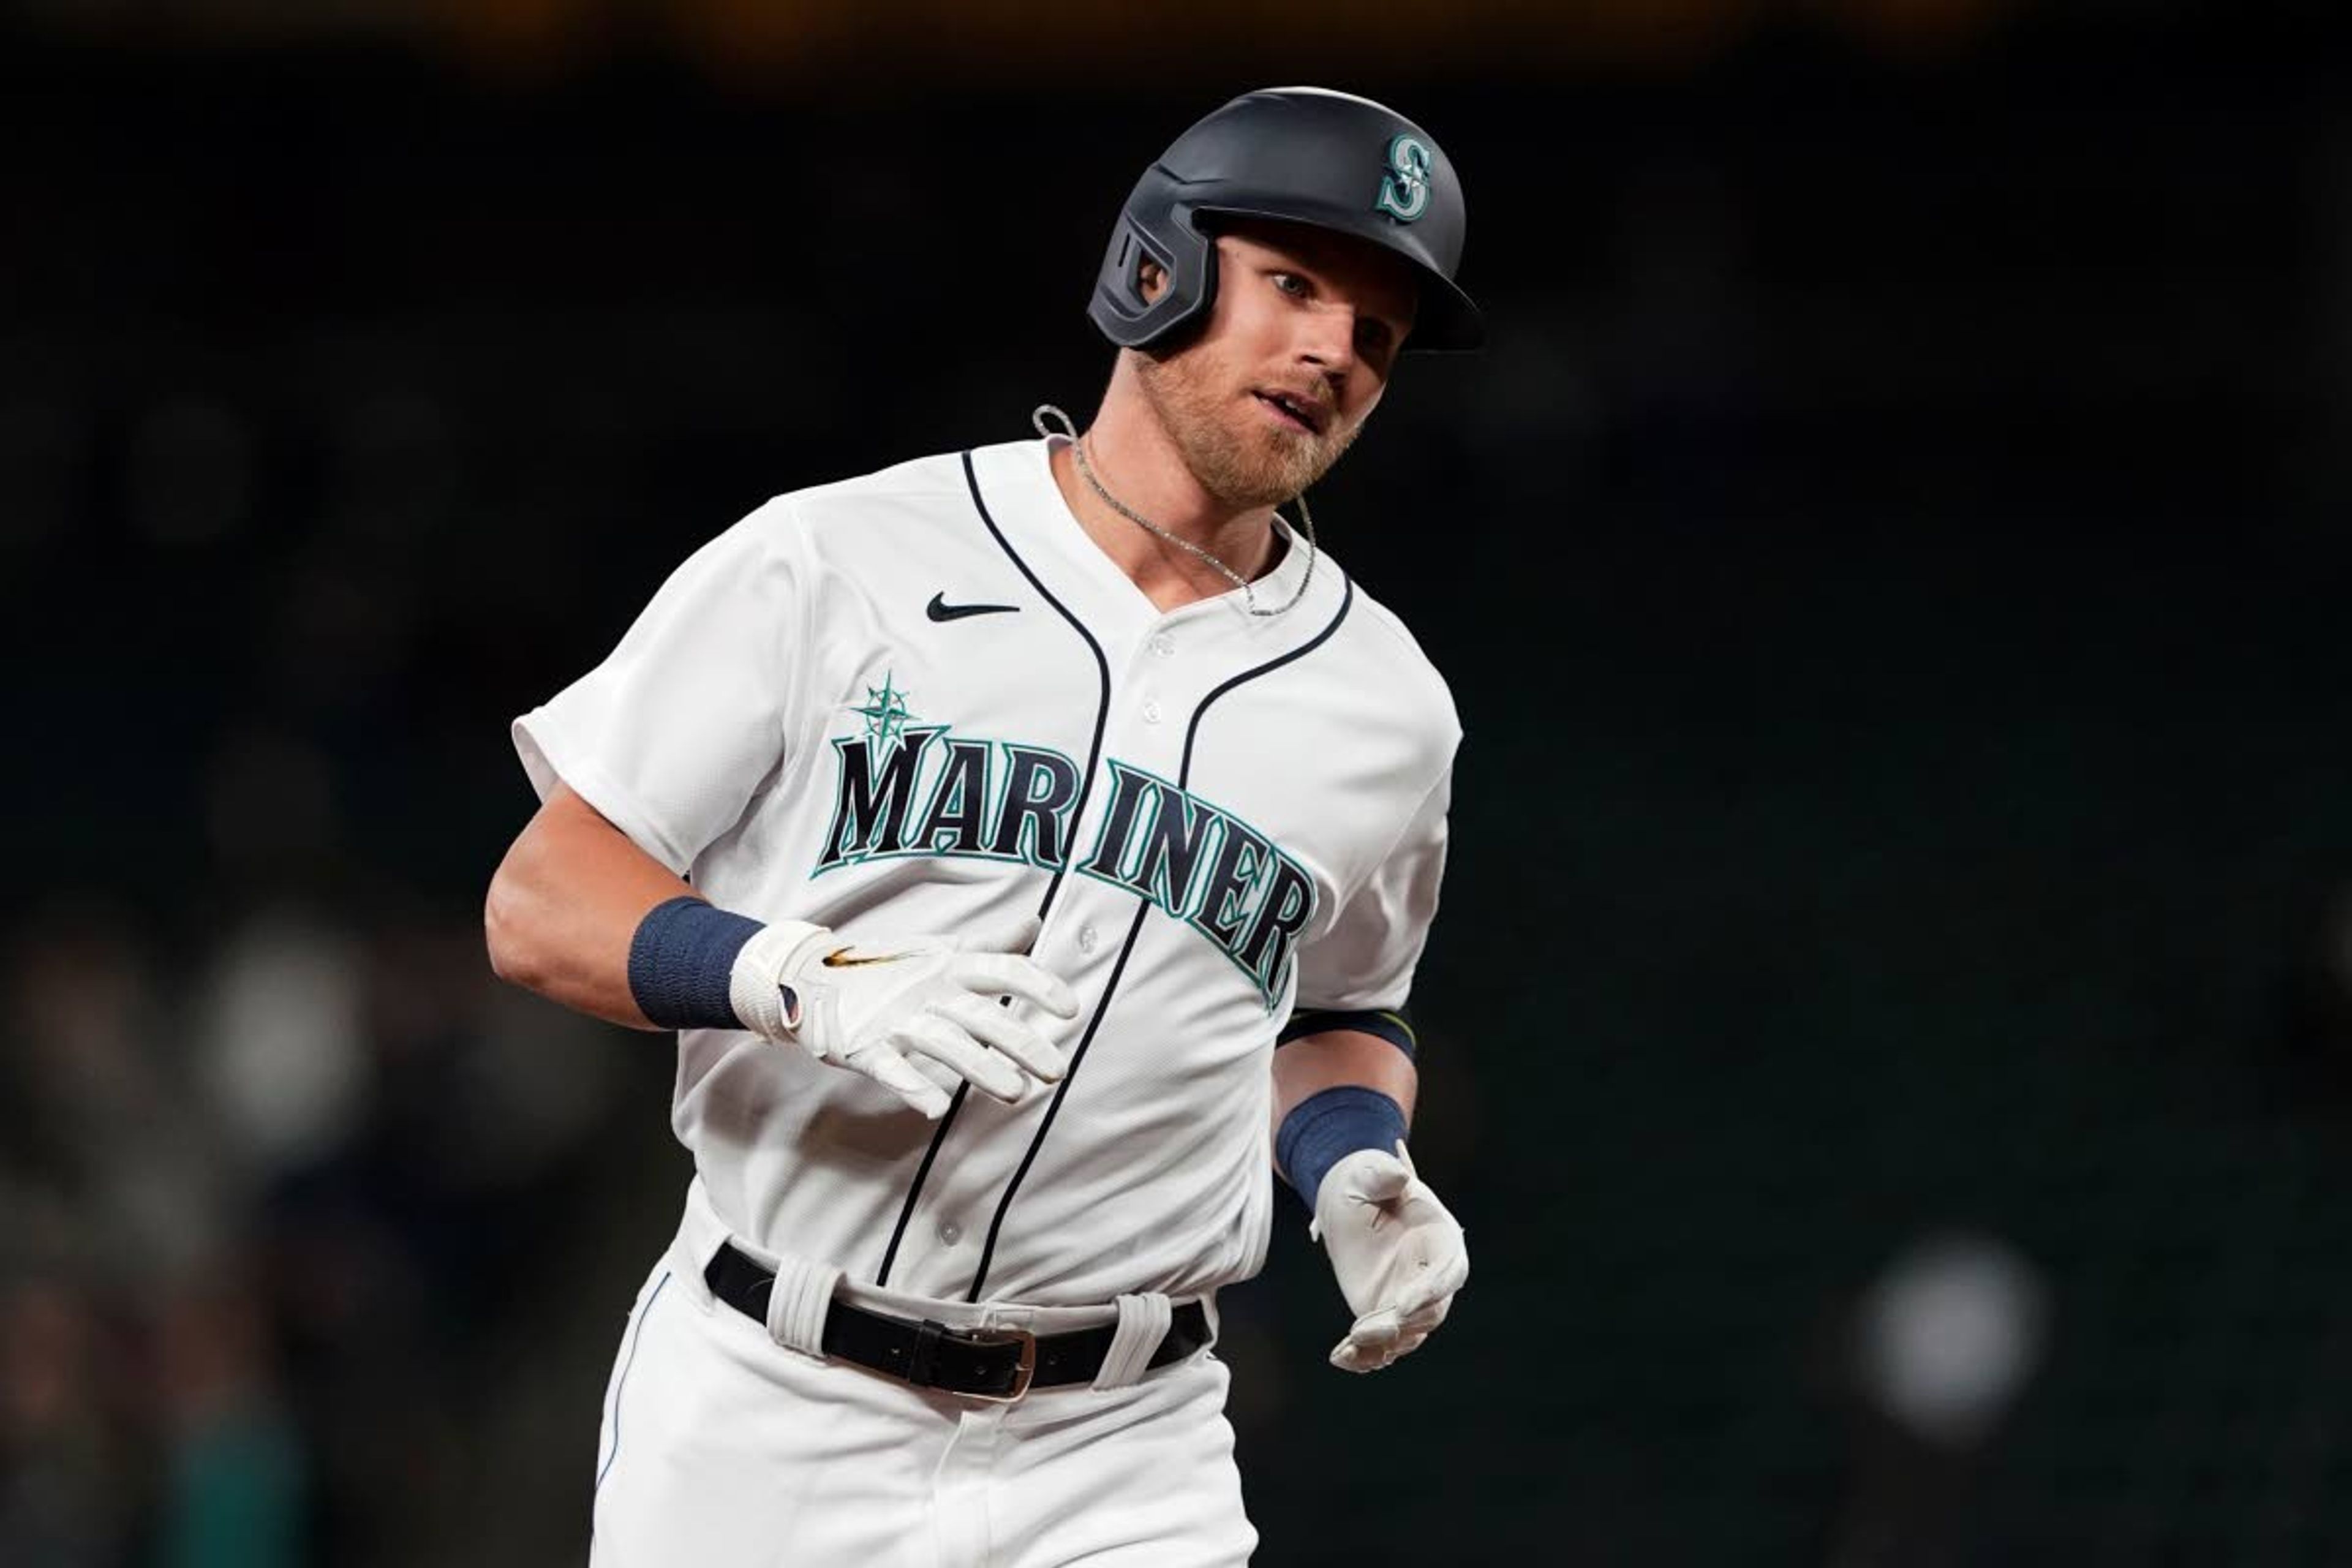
{"x":1405,"y":189}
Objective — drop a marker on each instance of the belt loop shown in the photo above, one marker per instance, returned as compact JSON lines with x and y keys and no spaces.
{"x":1142,"y":1324}
{"x":797,"y":1303}
{"x":923,"y":1360}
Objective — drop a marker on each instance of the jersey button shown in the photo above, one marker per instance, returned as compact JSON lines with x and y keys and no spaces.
{"x":1163,"y":645}
{"x":1087,"y":939}
{"x":950,"y":1231}
{"x":1151,"y":712}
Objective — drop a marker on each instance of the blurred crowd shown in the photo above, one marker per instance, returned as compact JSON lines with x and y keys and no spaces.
{"x":282,"y":1229}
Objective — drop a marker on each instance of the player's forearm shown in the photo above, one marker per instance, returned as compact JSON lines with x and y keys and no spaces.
{"x":566,"y":905}
{"x":1336,"y":1092}
{"x":1310,"y":1064}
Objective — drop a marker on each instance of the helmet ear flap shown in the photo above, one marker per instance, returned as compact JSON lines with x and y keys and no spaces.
{"x":1186,"y":258}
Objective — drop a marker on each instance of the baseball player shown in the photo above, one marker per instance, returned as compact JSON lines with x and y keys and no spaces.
{"x":1032,"y":847}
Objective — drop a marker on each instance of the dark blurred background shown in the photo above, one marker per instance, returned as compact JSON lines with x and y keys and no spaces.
{"x":1890,"y":1033}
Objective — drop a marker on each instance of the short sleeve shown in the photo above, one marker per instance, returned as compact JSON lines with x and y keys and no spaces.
{"x":1365,"y":962}
{"x":674,"y":733}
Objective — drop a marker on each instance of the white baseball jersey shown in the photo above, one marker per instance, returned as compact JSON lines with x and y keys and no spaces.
{"x":924,"y":700}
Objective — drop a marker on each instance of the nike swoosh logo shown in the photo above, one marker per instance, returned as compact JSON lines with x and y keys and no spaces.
{"x":839,"y":959}
{"x":939,"y":609}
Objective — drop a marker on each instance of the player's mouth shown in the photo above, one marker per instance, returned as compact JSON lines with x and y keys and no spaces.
{"x":1291,"y":411}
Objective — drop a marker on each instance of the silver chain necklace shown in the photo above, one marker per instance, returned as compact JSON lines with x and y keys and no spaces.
{"x":1047,"y":412}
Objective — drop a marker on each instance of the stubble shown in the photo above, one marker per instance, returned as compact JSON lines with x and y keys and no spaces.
{"x":1241,"y":467}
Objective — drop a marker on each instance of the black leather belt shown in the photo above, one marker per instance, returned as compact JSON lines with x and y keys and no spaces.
{"x":995,"y":1364}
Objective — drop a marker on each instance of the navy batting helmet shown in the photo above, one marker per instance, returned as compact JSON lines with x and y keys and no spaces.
{"x":1307,"y":155}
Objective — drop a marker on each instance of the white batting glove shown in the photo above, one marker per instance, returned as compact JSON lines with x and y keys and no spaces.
{"x":880,"y":1007}
{"x":1399,"y":1254}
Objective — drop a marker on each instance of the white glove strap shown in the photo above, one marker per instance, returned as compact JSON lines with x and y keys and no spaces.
{"x":1338,"y":1185}
{"x":755,"y":986}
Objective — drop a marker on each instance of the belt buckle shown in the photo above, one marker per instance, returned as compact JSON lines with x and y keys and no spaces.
{"x":1021,"y":1373}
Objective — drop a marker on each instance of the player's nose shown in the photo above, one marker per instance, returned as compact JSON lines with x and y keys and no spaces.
{"x":1327,"y":340}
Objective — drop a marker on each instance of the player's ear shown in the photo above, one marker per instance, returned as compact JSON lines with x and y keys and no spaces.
{"x":1150,"y":280}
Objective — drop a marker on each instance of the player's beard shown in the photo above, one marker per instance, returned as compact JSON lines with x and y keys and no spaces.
{"x":1242,"y":461}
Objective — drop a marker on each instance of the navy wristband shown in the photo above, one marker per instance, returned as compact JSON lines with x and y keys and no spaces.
{"x":1324,"y":1129}
{"x":682,"y":961}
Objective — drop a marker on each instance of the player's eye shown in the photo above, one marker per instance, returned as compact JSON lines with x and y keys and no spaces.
{"x":1292,"y":284}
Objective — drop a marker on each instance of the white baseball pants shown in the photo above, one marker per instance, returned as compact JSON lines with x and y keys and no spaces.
{"x":722,"y":1446}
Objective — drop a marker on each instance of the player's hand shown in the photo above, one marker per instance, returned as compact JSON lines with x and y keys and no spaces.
{"x":1399,"y":1254}
{"x":881,"y":1008}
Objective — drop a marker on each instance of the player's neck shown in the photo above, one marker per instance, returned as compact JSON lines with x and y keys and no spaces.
{"x":1135,"y":460}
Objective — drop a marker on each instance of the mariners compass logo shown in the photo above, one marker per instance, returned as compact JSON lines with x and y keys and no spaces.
{"x":885,"y":712}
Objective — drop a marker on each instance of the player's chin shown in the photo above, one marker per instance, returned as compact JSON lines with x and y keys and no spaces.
{"x":1288,"y":461}
{"x":1307,"y":466}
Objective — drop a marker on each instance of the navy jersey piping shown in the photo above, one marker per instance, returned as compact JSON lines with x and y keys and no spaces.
{"x":621,"y":1384}
{"x":1135,"y":929}
{"x":1077,"y":815}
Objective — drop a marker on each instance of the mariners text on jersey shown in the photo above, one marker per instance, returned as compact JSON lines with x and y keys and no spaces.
{"x":1001,"y":800}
